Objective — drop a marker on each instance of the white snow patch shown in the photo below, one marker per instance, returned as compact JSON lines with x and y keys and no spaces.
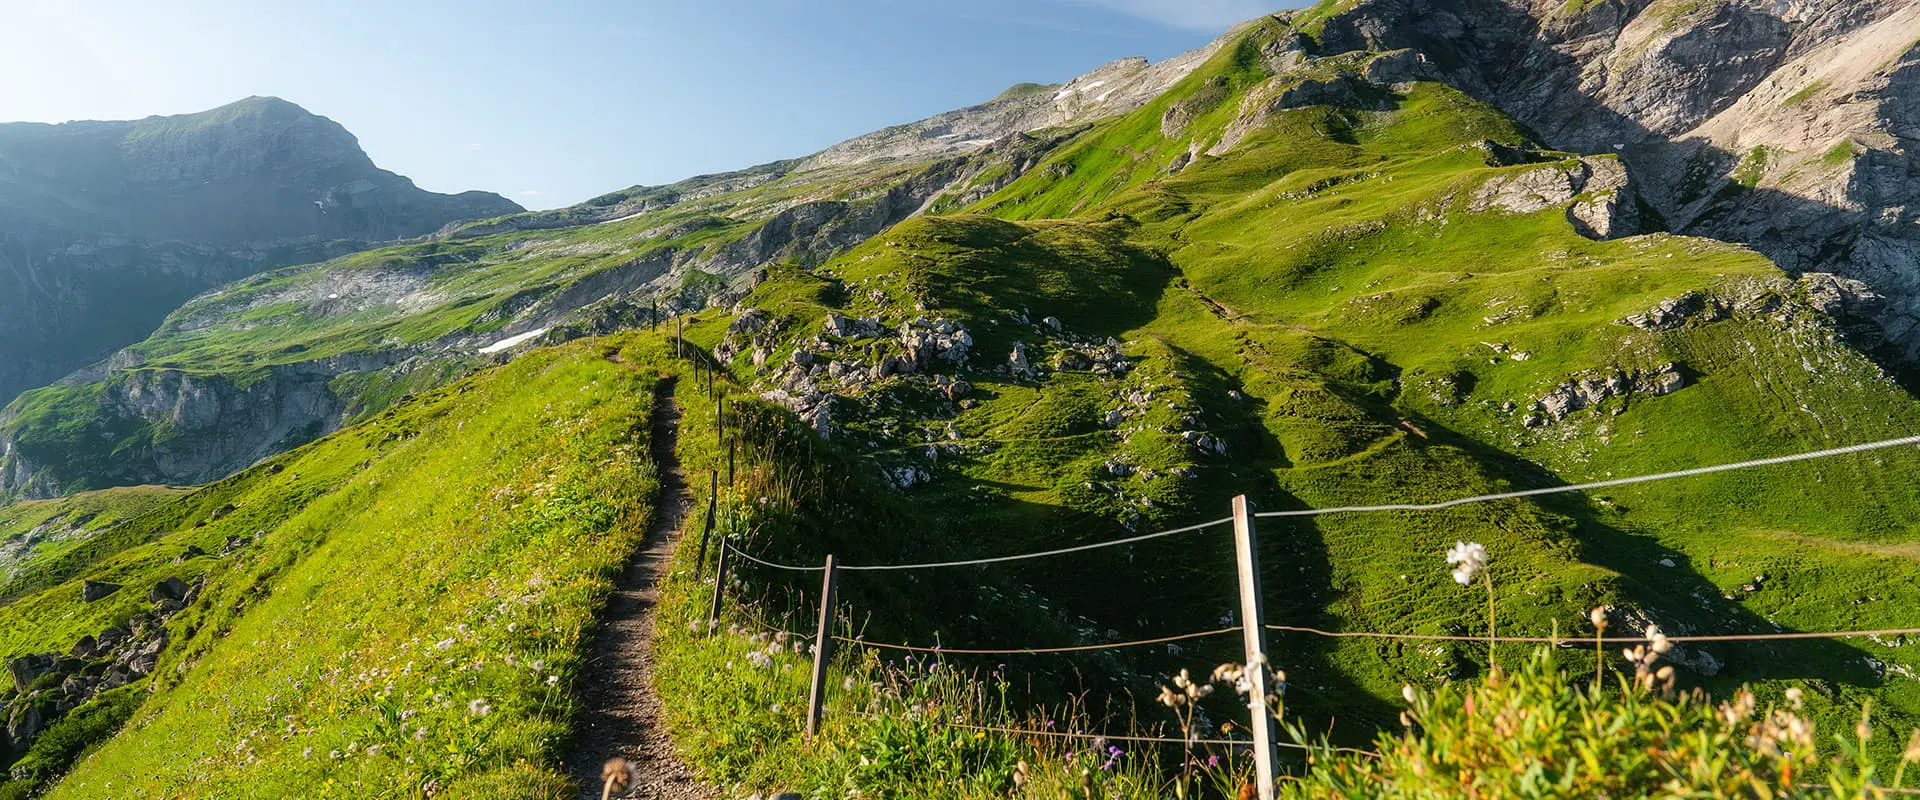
{"x":622,"y":219}
{"x":512,"y":341}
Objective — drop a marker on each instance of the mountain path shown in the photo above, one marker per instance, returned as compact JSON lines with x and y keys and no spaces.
{"x":624,"y":716}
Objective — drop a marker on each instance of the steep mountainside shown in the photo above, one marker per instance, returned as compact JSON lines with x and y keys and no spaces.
{"x":1311,"y":265}
{"x":273,"y":361}
{"x":107,"y":226}
{"x":1789,"y":125}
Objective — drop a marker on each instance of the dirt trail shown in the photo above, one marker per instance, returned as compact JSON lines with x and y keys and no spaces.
{"x":623,"y":716}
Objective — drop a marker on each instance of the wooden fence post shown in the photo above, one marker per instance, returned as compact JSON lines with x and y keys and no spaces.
{"x":700,"y":566}
{"x":1253,"y":631}
{"x":653,"y":314}
{"x":680,"y":337}
{"x":822,"y":651}
{"x":713,"y":499}
{"x":719,"y":588}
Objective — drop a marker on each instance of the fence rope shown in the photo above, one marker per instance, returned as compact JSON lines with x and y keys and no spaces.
{"x":1088,"y":736}
{"x":997,"y":559}
{"x":1581,"y":487}
{"x":1036,"y":650}
{"x":1576,"y":640}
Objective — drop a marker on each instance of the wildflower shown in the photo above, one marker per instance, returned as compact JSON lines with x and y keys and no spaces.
{"x":1409,"y":694}
{"x":1468,"y":559}
{"x":443,"y":644}
{"x":1598,"y":616}
{"x":1795,"y":696}
{"x":553,"y":680}
{"x":1171,"y":698}
{"x":1020,"y":775}
{"x":479,"y":707}
{"x":1658,"y":640}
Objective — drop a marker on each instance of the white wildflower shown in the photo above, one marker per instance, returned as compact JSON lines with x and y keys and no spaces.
{"x":1468,"y":559}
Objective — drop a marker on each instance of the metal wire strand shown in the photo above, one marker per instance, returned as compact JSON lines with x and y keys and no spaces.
{"x":1036,"y":650}
{"x":1581,"y":487}
{"x":997,"y":559}
{"x":1576,"y":640}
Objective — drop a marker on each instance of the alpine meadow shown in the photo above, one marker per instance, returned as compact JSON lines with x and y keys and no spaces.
{"x":1392,"y":398}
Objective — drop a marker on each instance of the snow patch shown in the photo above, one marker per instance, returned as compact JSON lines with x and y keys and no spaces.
{"x":512,"y":342}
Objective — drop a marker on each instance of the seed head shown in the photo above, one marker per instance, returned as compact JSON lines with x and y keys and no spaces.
{"x":618,"y":775}
{"x":1598,"y":616}
{"x":1796,"y":697}
{"x":1913,"y":748}
{"x":1409,"y":694}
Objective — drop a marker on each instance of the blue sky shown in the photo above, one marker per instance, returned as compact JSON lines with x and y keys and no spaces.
{"x":550,"y":103}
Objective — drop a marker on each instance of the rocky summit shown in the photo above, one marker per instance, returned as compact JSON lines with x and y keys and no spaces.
{"x":105,"y":227}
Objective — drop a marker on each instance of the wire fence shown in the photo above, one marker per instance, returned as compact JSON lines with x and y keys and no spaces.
{"x":1089,"y":736}
{"x":1252,"y":627}
{"x":1083,"y":648}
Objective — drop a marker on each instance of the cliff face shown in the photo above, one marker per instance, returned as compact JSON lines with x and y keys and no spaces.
{"x":1789,"y":125}
{"x":107,"y":226}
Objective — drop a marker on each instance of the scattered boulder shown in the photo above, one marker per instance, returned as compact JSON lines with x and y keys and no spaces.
{"x":851,"y":328}
{"x":1017,"y":361}
{"x":25,"y":724}
{"x":95,"y":591}
{"x":192,"y":552}
{"x":85,"y":648}
{"x":1583,"y":393}
{"x":170,"y":589}
{"x":1072,"y":360}
{"x":1053,"y":322}
{"x":1672,"y":313}
{"x":27,"y":669}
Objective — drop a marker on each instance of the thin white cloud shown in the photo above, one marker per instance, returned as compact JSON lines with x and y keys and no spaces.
{"x":1209,"y":15}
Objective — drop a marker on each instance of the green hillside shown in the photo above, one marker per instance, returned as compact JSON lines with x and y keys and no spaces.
{"x":404,"y":608}
{"x":1300,"y":285}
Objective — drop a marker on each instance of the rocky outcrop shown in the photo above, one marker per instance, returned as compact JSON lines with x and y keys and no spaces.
{"x":47,"y":686}
{"x":1788,"y":125}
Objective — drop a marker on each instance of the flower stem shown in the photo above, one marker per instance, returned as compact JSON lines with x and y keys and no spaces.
{"x":1492,"y":663}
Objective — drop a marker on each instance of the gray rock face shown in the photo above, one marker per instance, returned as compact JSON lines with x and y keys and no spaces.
{"x":107,"y":226}
{"x":1788,"y":125}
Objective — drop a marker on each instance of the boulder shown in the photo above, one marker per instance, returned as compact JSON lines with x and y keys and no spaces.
{"x":25,"y":724}
{"x":94,"y":591}
{"x":170,"y":589}
{"x":1017,"y":360}
{"x":27,"y":669}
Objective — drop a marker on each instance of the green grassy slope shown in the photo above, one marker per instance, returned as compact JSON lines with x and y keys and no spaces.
{"x":1316,"y":300}
{"x":1331,"y":298}
{"x":407,"y":611}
